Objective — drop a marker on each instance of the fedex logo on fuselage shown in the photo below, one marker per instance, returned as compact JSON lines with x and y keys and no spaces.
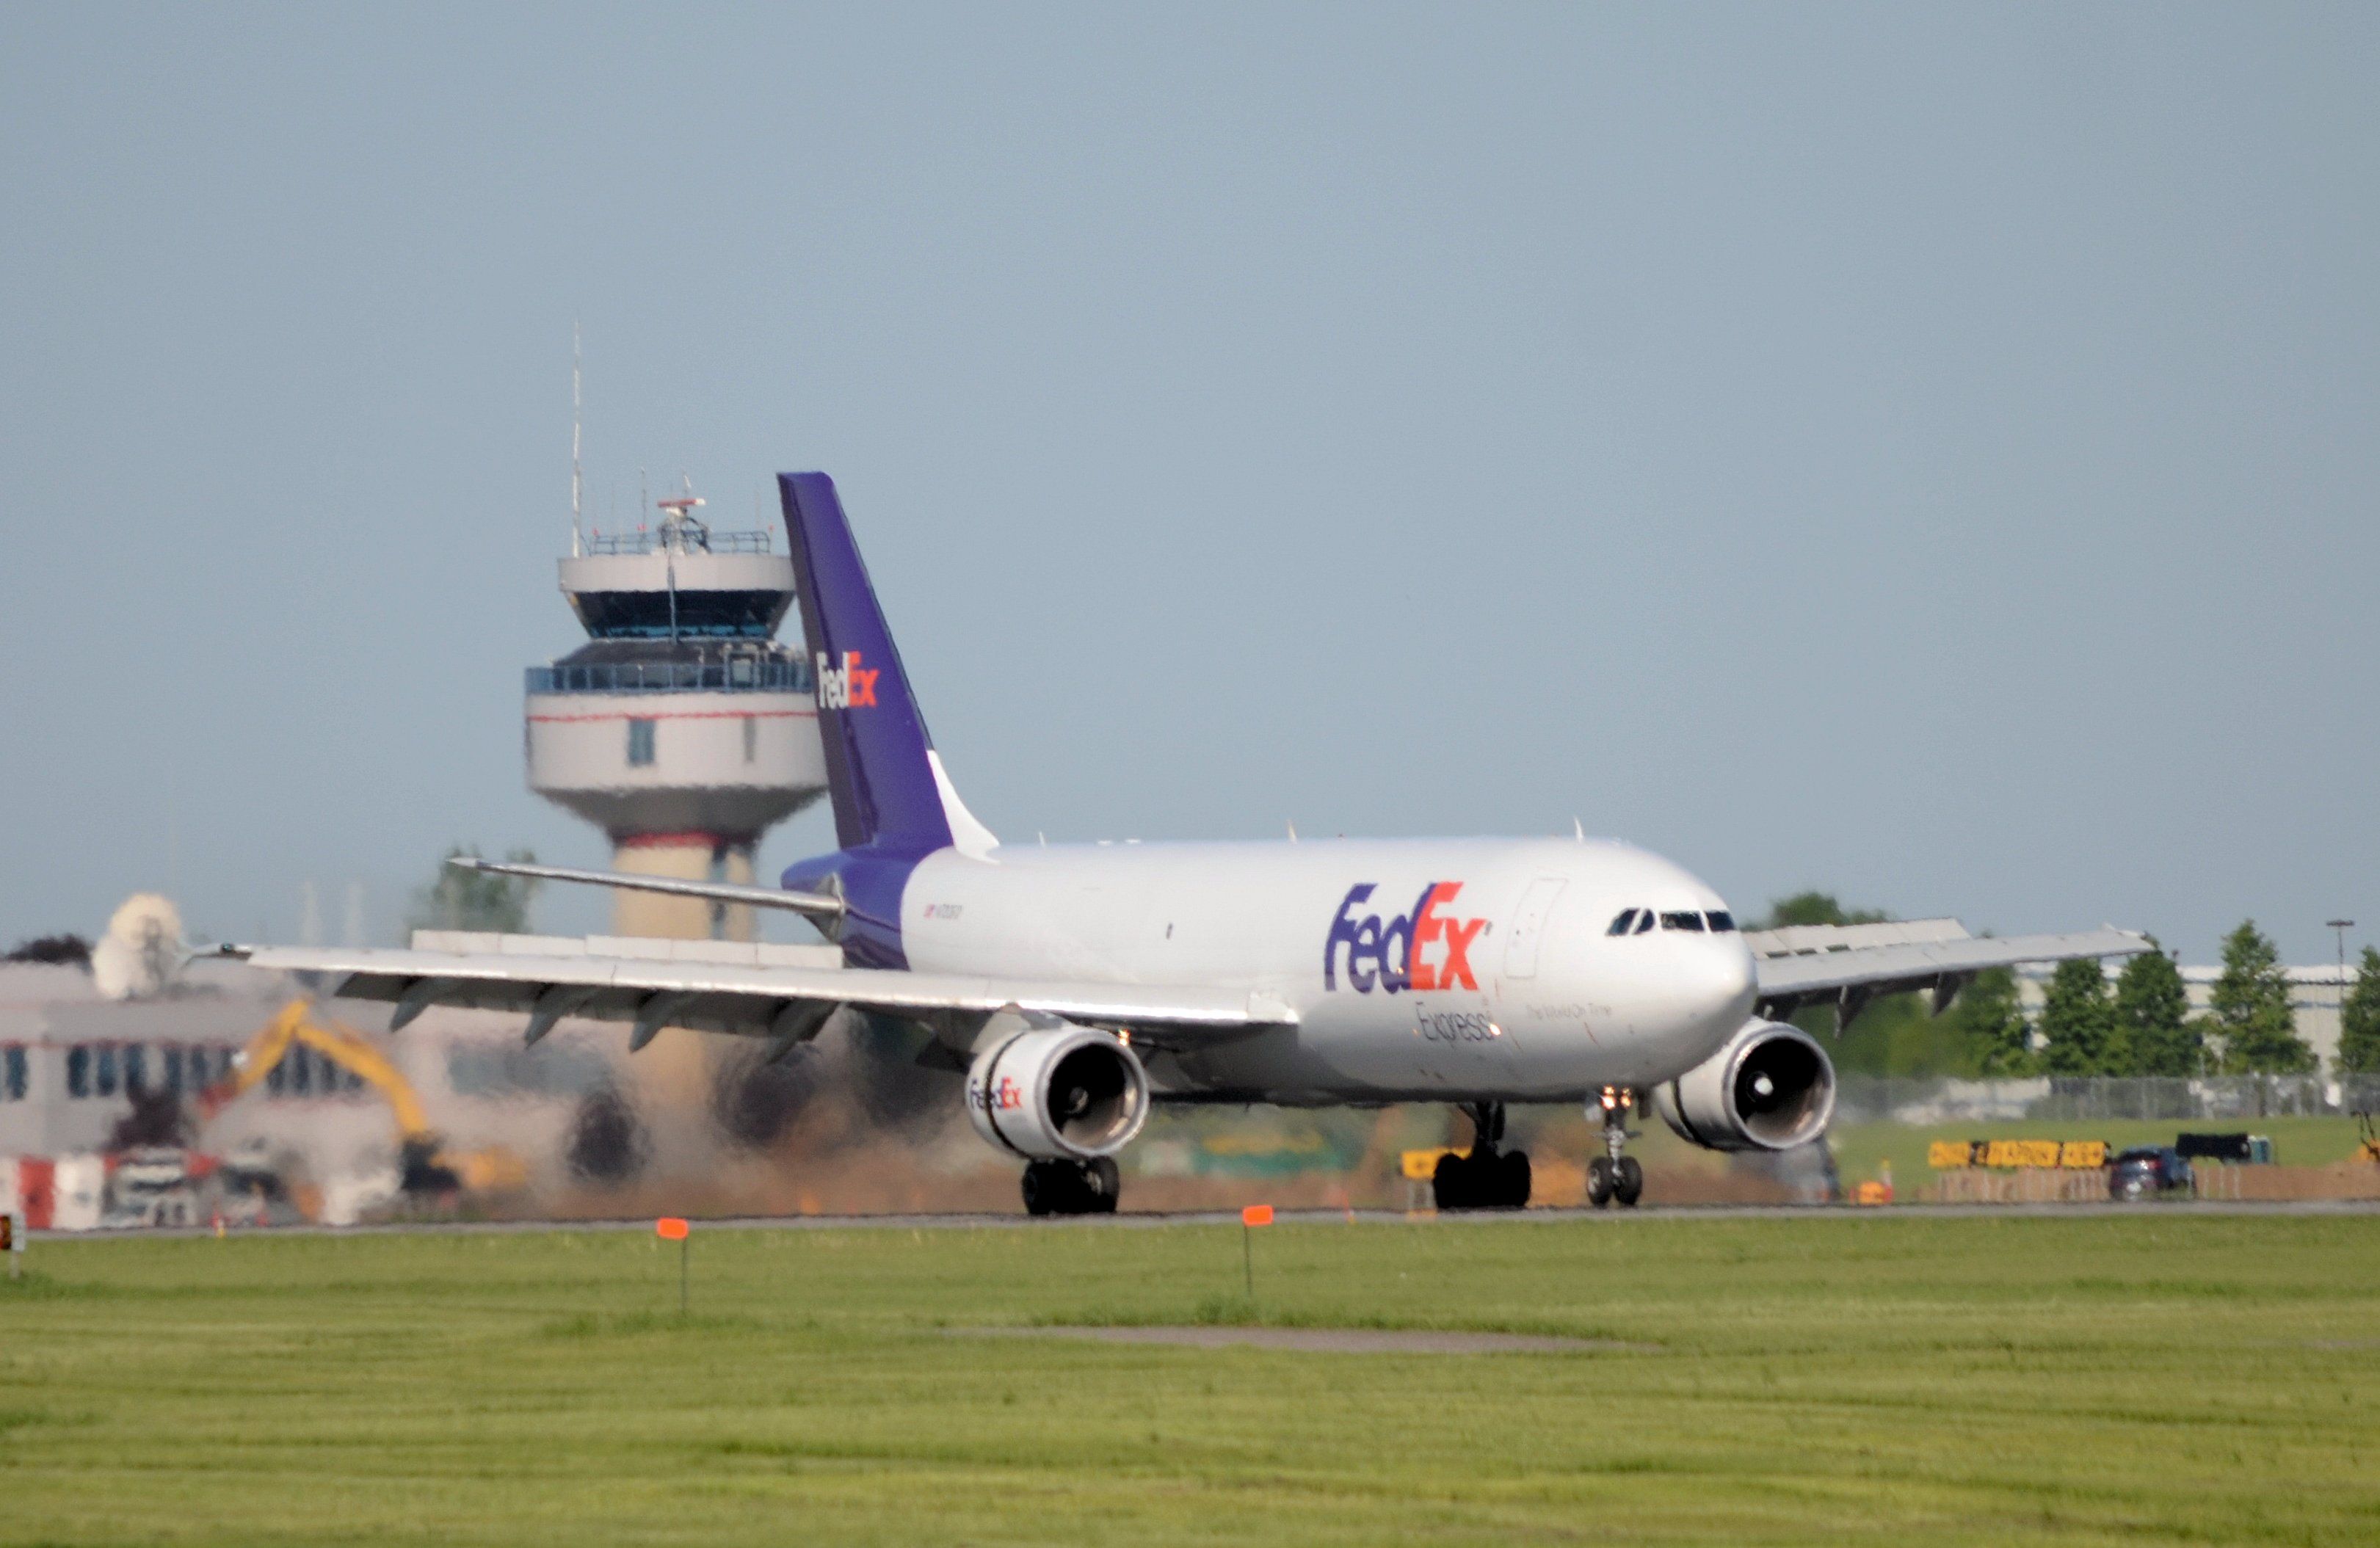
{"x":846,"y":686}
{"x":1428,"y":948}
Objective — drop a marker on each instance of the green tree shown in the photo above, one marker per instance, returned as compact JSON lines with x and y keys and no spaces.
{"x":1988,"y":1019}
{"x":1815,"y":908}
{"x":2359,"y":1022}
{"x":461,"y":899}
{"x":2152,"y":1018}
{"x":2251,"y":1009}
{"x":1894,"y":1035}
{"x":2077,"y":1024}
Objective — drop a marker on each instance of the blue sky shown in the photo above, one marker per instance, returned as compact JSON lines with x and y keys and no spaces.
{"x":1923,"y":452}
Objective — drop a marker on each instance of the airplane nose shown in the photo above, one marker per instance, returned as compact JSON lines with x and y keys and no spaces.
{"x":1731,"y":981}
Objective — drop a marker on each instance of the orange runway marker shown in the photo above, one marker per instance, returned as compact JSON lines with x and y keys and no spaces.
{"x":1250,"y":1217}
{"x":673,"y":1227}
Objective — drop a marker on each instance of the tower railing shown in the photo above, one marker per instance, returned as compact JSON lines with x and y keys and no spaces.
{"x":651,"y":539}
{"x":737,"y":674}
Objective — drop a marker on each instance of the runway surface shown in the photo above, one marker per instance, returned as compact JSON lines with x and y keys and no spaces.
{"x":1131,"y":1220}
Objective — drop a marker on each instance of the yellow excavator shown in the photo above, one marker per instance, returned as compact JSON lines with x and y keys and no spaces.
{"x":425,"y":1166}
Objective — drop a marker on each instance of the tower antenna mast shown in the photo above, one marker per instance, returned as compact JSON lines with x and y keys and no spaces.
{"x":577,"y":547}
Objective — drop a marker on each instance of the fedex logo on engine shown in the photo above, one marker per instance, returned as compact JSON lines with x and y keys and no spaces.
{"x":1428,"y":948}
{"x":1007,"y":1096}
{"x":846,"y":686}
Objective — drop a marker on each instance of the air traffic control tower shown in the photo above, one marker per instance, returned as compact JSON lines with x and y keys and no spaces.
{"x":682,"y":728}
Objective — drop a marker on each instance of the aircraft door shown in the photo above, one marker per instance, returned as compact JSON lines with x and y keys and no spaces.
{"x":1529,"y":927}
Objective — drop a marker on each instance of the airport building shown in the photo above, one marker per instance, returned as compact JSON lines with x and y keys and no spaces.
{"x":326,"y":1122}
{"x":2315,"y":995}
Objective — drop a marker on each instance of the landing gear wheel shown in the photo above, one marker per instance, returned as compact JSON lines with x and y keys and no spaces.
{"x":1104,"y":1185}
{"x":1486,"y":1178}
{"x":1043,"y":1189}
{"x":1072,"y":1187}
{"x":1628,"y":1185}
{"x":1600,"y":1182}
{"x":1449,"y":1183}
{"x":1513,"y":1180}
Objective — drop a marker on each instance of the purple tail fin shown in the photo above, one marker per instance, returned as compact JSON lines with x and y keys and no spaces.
{"x":879,"y":768}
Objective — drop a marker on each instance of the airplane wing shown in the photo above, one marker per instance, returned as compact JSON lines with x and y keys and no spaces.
{"x":1847,"y":965}
{"x":546,"y":980}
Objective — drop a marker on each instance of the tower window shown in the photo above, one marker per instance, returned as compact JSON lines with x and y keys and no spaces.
{"x":12,"y":1088}
{"x":641,"y":744}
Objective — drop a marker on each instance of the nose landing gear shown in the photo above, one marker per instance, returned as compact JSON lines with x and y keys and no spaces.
{"x":1488,"y":1178}
{"x":1612,"y":1175}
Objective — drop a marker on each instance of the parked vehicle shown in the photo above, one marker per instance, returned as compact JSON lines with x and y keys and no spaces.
{"x":2244,"y":1150}
{"x":2145,"y":1171}
{"x":151,"y":1185}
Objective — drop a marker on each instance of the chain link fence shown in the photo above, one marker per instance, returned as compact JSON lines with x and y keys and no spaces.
{"x":1899,"y":1099}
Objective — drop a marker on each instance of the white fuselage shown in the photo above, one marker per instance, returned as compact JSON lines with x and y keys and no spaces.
{"x":1478,"y":969}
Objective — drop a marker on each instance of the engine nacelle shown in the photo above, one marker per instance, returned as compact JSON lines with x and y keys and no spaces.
{"x":1058,"y":1092}
{"x":1771,"y":1088}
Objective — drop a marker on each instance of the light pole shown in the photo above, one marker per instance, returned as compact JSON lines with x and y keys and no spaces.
{"x":2342,"y":927}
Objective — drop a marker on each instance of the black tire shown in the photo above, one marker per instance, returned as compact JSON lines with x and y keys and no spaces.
{"x":1449,"y":1184}
{"x":1105,"y":1184}
{"x":1628,"y":1186}
{"x":1599,"y":1181}
{"x":1513,"y":1180}
{"x":607,"y":1142}
{"x":1041,"y":1188}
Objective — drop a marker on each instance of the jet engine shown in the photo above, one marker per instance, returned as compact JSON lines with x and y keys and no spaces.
{"x":1771,"y":1088}
{"x":1058,"y":1092}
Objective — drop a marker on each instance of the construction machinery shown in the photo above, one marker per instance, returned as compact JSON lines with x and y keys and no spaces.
{"x":2368,"y":1145}
{"x":426,"y":1167}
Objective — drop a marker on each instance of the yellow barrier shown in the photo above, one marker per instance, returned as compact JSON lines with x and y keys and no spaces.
{"x":1421,"y":1165}
{"x":2072,"y":1156}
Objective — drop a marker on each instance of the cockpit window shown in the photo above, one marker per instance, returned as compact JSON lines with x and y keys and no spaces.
{"x":1622,"y":924}
{"x":1721,"y":920}
{"x":1686,"y":919}
{"x":1644,"y":920}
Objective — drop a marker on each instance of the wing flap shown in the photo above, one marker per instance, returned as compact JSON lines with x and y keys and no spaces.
{"x":748,"y":1000}
{"x":1851,"y":975}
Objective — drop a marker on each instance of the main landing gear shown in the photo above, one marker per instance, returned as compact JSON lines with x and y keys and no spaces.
{"x":1611,"y":1175}
{"x":1072,"y":1187}
{"x":1488,"y":1178}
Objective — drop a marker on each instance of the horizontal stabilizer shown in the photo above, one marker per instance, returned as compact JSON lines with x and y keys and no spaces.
{"x":817,"y":904}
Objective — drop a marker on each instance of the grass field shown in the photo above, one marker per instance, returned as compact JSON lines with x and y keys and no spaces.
{"x":2162,"y":1377}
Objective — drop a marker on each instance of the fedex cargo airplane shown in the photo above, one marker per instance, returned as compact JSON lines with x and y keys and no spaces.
{"x":1077,"y":985}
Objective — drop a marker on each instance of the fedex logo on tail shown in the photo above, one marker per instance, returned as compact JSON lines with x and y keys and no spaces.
{"x":846,"y":686}
{"x":1428,"y":948}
